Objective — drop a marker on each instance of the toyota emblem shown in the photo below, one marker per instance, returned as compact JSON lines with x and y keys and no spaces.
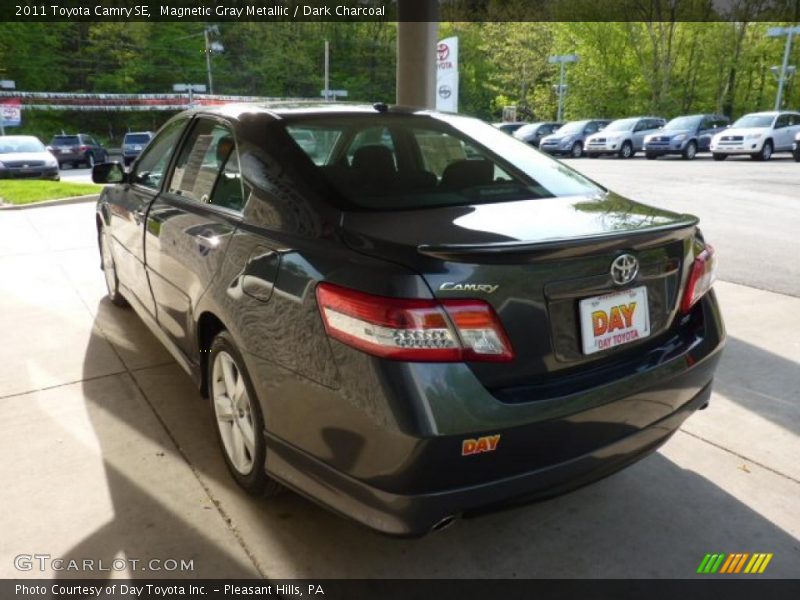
{"x":624,"y":269}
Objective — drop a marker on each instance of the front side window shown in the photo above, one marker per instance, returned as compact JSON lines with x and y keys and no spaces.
{"x":207,"y":169}
{"x":149,"y":170}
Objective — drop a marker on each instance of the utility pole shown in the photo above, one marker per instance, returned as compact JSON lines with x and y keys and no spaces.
{"x":327,"y":71}
{"x":208,"y":64}
{"x":561,"y":88}
{"x":788,"y":32}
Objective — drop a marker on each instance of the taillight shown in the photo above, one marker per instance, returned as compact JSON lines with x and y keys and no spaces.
{"x":413,"y":329}
{"x":701,"y":278}
{"x":83,"y":148}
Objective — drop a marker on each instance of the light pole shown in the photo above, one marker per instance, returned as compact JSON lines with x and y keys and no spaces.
{"x":211,"y":47}
{"x":561,"y":88}
{"x":788,"y":32}
{"x":5,"y":84}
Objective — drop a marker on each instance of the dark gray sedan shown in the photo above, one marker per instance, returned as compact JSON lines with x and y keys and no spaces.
{"x":421,"y":319}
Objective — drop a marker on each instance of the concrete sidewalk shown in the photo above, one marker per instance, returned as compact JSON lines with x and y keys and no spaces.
{"x":110,"y":453}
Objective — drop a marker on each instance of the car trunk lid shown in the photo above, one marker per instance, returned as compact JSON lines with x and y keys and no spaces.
{"x":534,"y":261}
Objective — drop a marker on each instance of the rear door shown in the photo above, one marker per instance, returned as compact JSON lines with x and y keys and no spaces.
{"x":190,"y":224}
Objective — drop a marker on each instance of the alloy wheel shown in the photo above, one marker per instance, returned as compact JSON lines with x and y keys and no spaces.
{"x":233,"y":412}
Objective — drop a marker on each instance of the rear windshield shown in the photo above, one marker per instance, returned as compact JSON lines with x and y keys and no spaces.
{"x":136,"y":138}
{"x":65,"y":140}
{"x":398,"y":162}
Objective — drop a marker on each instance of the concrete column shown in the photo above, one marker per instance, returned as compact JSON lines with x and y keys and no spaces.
{"x":417,"y":35}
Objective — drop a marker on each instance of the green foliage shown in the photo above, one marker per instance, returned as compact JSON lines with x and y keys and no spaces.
{"x":655,"y":66}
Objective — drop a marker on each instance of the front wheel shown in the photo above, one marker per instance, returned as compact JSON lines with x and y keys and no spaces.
{"x":626,"y":151}
{"x":577,"y":150}
{"x":796,"y":153}
{"x":690,"y":151}
{"x":590,"y":155}
{"x":651,"y":156}
{"x":110,"y":270}
{"x":720,"y":156}
{"x":240,"y":424}
{"x":90,"y":160}
{"x":765,"y":153}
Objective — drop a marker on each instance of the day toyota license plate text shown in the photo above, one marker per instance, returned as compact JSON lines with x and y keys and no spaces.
{"x":614,"y":319}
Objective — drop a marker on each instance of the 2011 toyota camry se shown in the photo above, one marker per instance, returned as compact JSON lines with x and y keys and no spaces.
{"x":420,"y":319}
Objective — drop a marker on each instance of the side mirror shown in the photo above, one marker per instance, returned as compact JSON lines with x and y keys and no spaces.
{"x":110,"y":172}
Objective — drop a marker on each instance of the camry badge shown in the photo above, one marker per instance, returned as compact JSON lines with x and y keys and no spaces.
{"x":450,"y":286}
{"x":624,"y":269}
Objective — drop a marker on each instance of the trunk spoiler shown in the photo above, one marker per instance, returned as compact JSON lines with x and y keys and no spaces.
{"x":545,"y":249}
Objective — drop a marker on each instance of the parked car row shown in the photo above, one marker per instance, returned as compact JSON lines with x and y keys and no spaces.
{"x":25,"y":156}
{"x":758,"y":135}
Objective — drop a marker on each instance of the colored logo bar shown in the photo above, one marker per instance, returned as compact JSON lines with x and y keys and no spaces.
{"x":738,"y":562}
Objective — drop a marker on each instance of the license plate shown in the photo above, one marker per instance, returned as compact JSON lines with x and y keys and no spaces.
{"x":614,"y":319}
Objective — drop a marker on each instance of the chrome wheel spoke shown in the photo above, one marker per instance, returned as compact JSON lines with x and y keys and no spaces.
{"x":223,"y":408}
{"x":228,"y":374}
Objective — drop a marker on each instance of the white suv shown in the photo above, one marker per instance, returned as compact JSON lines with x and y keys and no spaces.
{"x":758,"y":134}
{"x":623,"y":137}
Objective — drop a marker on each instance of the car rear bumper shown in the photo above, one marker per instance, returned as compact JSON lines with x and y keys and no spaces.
{"x":415,"y":515}
{"x":393,"y":460}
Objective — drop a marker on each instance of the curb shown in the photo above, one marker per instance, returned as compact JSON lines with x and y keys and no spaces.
{"x":57,"y":202}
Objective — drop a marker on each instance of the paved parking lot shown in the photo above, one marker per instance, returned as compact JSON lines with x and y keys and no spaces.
{"x":110,"y":452}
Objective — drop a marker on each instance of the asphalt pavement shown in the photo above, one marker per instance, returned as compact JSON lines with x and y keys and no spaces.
{"x":110,"y":451}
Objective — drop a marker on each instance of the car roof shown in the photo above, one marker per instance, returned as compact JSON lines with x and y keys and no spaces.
{"x":289,"y":109}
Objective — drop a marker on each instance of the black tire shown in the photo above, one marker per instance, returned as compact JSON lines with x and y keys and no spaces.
{"x":690,"y":151}
{"x":577,"y":150}
{"x":796,"y":154}
{"x":109,"y":270}
{"x":626,"y":150}
{"x":252,"y":479}
{"x":591,"y":155}
{"x":61,"y":166}
{"x":651,"y":156}
{"x":90,"y":160}
{"x":765,"y":153}
{"x":720,"y":156}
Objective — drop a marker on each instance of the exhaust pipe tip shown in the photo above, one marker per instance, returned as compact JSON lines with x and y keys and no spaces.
{"x":444,"y":523}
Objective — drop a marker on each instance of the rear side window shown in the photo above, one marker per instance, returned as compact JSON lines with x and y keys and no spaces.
{"x":65,"y":140}
{"x":136,"y":138}
{"x":207,"y":169}
{"x":396,"y":162}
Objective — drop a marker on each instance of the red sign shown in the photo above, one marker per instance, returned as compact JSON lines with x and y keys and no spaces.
{"x":443,"y":50}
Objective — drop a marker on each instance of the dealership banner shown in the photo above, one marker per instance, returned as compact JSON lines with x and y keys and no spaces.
{"x":447,"y":75}
{"x":10,"y":112}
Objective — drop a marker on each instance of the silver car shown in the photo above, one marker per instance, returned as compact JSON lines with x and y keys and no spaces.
{"x":623,"y":137}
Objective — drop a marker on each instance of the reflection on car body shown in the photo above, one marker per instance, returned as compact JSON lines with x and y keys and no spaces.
{"x":367,"y":313}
